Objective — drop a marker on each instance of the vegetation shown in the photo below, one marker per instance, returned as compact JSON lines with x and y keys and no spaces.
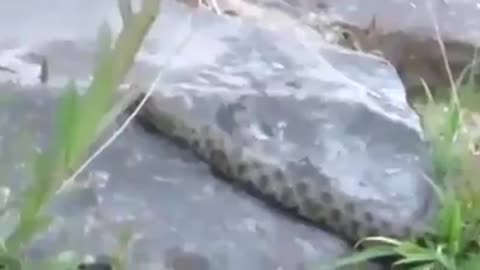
{"x":79,"y":121}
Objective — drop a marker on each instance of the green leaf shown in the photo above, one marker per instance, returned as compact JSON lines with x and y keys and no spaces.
{"x":446,"y":261}
{"x":408,"y":249}
{"x":78,"y":120}
{"x":453,"y":123}
{"x":468,"y":92}
{"x":450,"y":225}
{"x":66,"y":116}
{"x":427,"y":266}
{"x":93,"y":106}
{"x":365,"y":255}
{"x":26,"y":231}
{"x":415,"y":258}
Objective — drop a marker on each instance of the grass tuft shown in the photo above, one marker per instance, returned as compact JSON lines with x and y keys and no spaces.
{"x":79,"y":120}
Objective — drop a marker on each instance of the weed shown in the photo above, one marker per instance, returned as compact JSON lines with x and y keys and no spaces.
{"x":77,"y":124}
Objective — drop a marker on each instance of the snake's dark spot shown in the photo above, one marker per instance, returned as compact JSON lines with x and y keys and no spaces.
{"x":288,"y":197}
{"x":301,"y":188}
{"x":219,"y":162}
{"x":406,"y":231}
{"x":279,"y":175}
{"x":264,"y":182}
{"x":368,"y":217}
{"x":195,"y":144}
{"x":373,"y":231}
{"x":346,"y":35}
{"x":350,"y":208}
{"x":209,"y":144}
{"x":327,"y":197}
{"x":228,"y":170}
{"x":343,"y":228}
{"x":311,"y":208}
{"x":242,"y":168}
{"x":230,"y":12}
{"x":386,"y":226}
{"x":294,"y":84}
{"x":256,"y":164}
{"x":355,"y":227}
{"x":321,"y":219}
{"x":336,"y":215}
{"x":321,"y":5}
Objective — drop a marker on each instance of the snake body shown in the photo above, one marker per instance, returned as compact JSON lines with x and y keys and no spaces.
{"x":243,"y":165}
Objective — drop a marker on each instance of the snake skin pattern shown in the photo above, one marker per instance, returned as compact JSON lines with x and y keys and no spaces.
{"x":240,"y":164}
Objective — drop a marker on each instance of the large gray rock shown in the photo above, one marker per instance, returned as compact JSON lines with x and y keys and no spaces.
{"x":326,"y":132}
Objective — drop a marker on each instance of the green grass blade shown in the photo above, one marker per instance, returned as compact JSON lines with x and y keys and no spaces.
{"x":417,"y":258}
{"x":78,"y":120}
{"x":66,"y":115}
{"x":363,"y":256}
{"x":89,"y":108}
{"x":450,"y":225}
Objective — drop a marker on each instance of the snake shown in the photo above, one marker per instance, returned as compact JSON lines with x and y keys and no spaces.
{"x":240,"y":164}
